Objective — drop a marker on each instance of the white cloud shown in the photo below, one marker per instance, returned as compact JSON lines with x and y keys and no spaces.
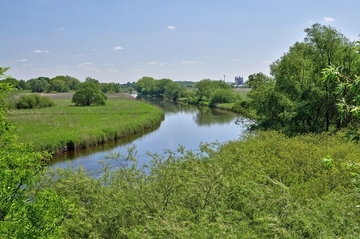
{"x":329,"y":19}
{"x":157,"y":63}
{"x":236,"y":60}
{"x":41,"y":51}
{"x":266,"y":62}
{"x":78,"y":55}
{"x":108,"y":64}
{"x":134,"y":69}
{"x":88,"y":66}
{"x":189,"y":62}
{"x":171,"y":27}
{"x":22,"y":60}
{"x":85,"y":64}
{"x":117,"y":48}
{"x":111,"y":70}
{"x":93,"y":69}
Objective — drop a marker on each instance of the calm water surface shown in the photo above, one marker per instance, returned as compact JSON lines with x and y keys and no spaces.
{"x":184,"y":125}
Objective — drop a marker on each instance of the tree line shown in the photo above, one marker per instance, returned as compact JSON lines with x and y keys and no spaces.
{"x":60,"y":84}
{"x":204,"y":92}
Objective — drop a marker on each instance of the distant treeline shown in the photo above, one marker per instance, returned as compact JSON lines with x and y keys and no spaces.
{"x":62,"y":84}
{"x":205,"y":92}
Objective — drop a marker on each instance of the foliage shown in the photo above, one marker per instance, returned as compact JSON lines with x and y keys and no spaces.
{"x":110,"y":87}
{"x":206,"y":87}
{"x":40,"y":84}
{"x":257,"y":79}
{"x":33,"y":101}
{"x":26,"y":210}
{"x":144,"y":85}
{"x":221,"y":96}
{"x":165,"y":88}
{"x":347,"y":91}
{"x":299,"y":100}
{"x":267,"y":186}
{"x":89,"y":93}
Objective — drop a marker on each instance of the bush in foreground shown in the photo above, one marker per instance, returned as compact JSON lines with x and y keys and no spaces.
{"x":267,"y":186}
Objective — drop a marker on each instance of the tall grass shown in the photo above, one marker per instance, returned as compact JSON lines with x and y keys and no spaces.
{"x":68,"y":127}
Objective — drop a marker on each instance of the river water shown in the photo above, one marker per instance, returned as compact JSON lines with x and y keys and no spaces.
{"x":185,"y":125}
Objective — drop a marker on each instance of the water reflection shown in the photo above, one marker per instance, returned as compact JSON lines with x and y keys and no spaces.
{"x":203,"y":116}
{"x":183,"y":125}
{"x":108,"y":146}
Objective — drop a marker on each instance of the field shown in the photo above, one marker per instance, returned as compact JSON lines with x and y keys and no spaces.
{"x":68,"y":127}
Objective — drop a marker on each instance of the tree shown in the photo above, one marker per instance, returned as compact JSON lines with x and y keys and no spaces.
{"x":26,"y":210}
{"x":257,"y":79}
{"x":348,"y":100}
{"x":110,"y":87}
{"x":39,"y":84}
{"x":89,"y":93}
{"x":206,"y":87}
{"x":95,"y":81}
{"x":173,"y":90}
{"x":305,"y":102}
{"x":144,"y":85}
{"x":58,"y":84}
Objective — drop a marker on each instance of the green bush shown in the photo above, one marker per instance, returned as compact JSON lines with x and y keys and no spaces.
{"x":33,"y":101}
{"x":264,"y":186}
{"x":222,"y":96}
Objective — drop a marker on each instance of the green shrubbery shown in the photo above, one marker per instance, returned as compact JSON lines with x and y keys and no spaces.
{"x":222,"y":96}
{"x":33,"y":101}
{"x":267,"y":186}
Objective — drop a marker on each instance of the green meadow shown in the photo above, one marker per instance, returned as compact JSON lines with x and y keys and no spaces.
{"x":68,"y":127}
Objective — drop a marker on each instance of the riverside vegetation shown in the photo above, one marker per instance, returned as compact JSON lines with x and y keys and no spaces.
{"x":298,"y":179}
{"x":69,"y":127}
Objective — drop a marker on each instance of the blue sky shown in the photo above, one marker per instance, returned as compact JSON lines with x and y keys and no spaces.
{"x":122,"y":41}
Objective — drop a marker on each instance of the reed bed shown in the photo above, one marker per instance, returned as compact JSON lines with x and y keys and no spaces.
{"x":68,"y":127}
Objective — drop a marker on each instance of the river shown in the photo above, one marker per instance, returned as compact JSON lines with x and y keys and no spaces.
{"x":185,"y":125}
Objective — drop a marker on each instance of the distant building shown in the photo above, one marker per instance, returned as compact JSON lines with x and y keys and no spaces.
{"x":239,"y":80}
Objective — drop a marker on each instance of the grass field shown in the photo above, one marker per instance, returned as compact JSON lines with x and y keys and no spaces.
{"x":68,"y":127}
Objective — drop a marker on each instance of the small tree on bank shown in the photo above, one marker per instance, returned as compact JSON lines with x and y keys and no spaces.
{"x":89,"y":94}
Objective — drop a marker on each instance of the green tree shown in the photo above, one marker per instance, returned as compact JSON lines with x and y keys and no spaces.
{"x":221,"y":96}
{"x":72,"y":82}
{"x":110,"y":87}
{"x":92,"y":80}
{"x":173,"y":90}
{"x":206,"y":87}
{"x":26,"y":210}
{"x":257,"y":79}
{"x":40,"y":84}
{"x":144,"y":85}
{"x":23,"y":85}
{"x":12,"y":81}
{"x":304,"y":101}
{"x":58,"y":84}
{"x":89,"y":93}
{"x":348,"y":100}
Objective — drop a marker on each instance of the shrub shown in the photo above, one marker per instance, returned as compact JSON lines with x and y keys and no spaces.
{"x":33,"y":101}
{"x":221,"y":96}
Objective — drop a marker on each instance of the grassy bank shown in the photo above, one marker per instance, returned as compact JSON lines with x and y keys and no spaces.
{"x":68,"y":127}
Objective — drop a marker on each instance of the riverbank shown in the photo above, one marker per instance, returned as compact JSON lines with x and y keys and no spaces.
{"x":68,"y":127}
